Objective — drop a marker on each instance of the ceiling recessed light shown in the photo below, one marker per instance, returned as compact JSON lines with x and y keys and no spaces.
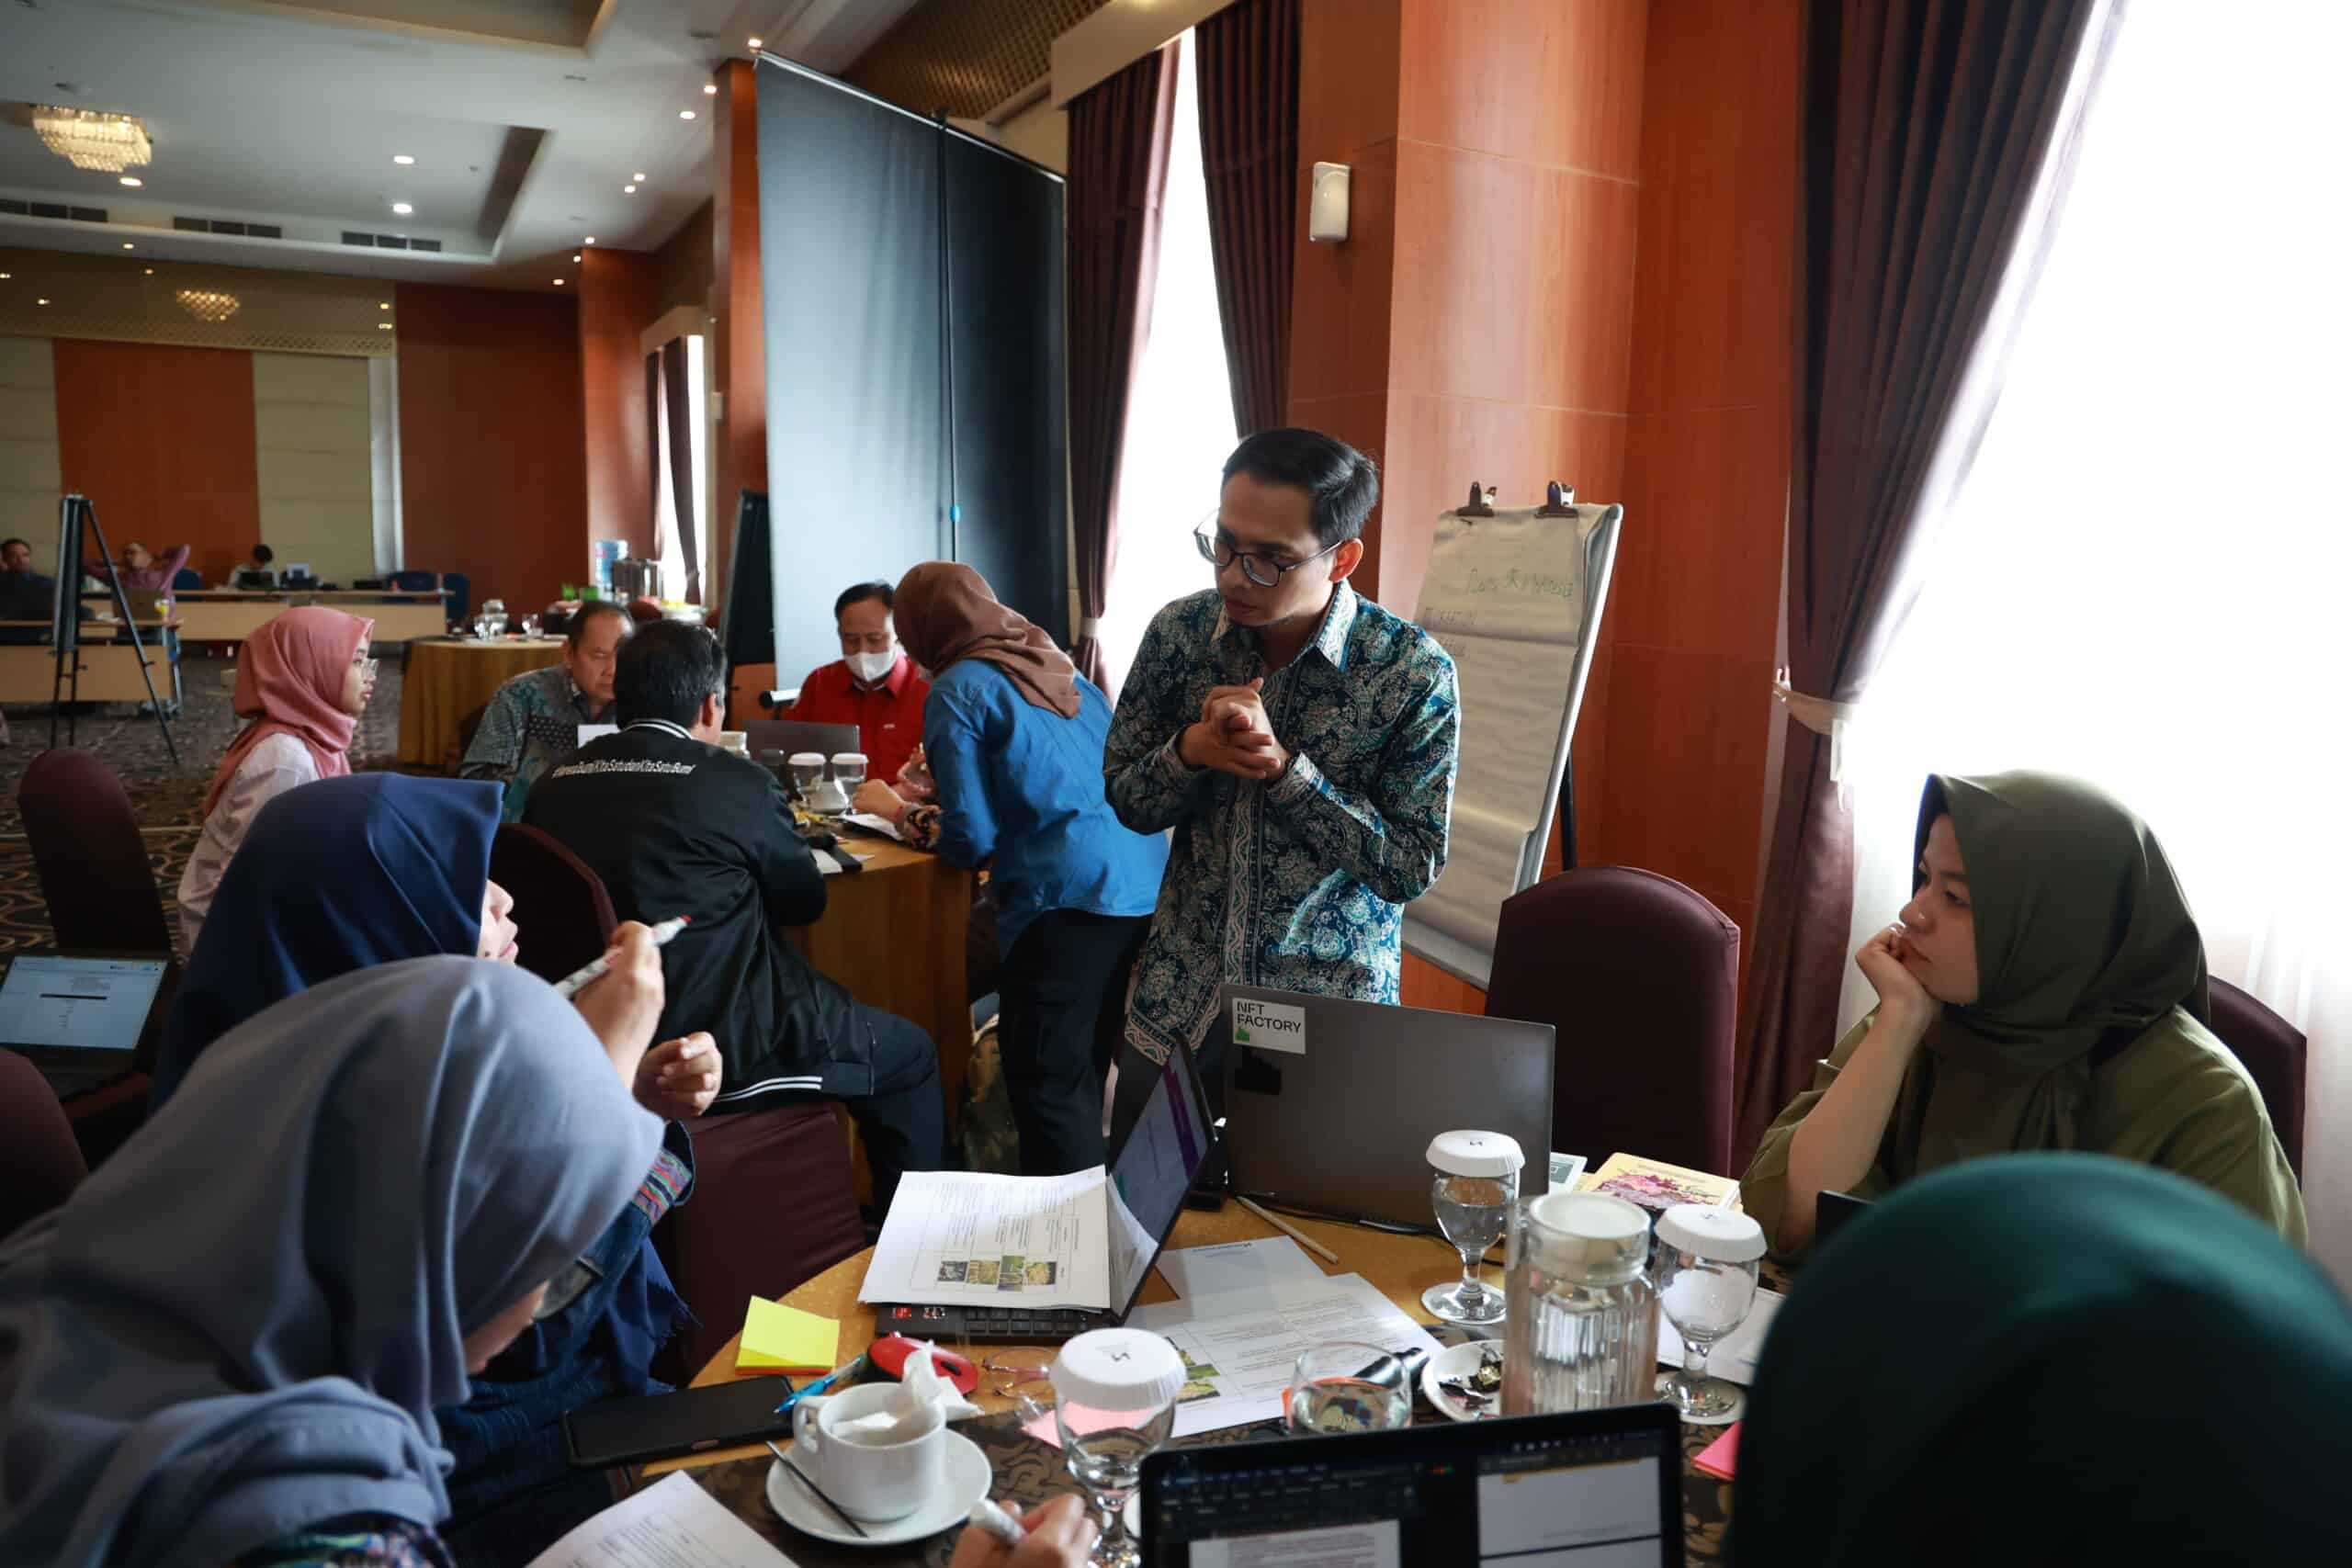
{"x":5,"y":276}
{"x":133,"y":181}
{"x":575,"y":261}
{"x":559,"y":283}
{"x":383,"y":326}
{"x":151,"y":272}
{"x":41,"y":301}
{"x":129,"y":246}
{"x":639,"y":176}
{"x":710,"y":89}
{"x":402,"y":158}
{"x":685,"y":113}
{"x":628,"y":190}
{"x":383,"y":304}
{"x":592,"y":239}
{"x":401,"y":208}
{"x":753,"y":42}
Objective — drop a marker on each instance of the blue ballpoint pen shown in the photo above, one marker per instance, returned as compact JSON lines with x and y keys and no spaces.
{"x":846,"y":1370}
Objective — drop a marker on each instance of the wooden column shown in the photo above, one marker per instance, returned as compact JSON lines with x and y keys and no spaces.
{"x":619,"y":300}
{"x":741,"y":356}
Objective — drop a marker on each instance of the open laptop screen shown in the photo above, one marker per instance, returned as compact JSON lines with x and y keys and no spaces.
{"x":49,"y":1001}
{"x":1155,"y":1169}
{"x":1588,"y":1489}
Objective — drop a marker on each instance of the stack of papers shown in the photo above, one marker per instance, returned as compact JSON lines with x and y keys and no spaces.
{"x":1733,"y":1356}
{"x":675,"y":1523}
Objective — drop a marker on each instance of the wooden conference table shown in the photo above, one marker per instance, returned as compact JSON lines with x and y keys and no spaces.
{"x":231,"y":614}
{"x":445,"y":678}
{"x":109,"y":665}
{"x":1400,"y":1267}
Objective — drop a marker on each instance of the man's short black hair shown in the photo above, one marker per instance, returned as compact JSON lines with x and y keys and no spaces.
{"x":264,"y":555}
{"x":577,"y":626}
{"x":1342,"y":484}
{"x":859,"y":592}
{"x":665,"y":671}
{"x":27,"y":543}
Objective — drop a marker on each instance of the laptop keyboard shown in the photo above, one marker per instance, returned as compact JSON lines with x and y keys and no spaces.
{"x":1002,"y":1326}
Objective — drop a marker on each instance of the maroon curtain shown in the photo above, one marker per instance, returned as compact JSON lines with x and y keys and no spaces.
{"x":1249,"y":93}
{"x":655,"y":477}
{"x":1118,"y":171}
{"x":676,"y":408}
{"x":1935,"y":144}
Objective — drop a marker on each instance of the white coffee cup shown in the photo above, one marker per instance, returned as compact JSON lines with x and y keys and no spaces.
{"x":875,"y":1476}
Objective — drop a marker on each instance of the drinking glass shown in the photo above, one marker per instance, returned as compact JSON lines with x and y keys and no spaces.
{"x":1347,"y":1387}
{"x":494,"y":612}
{"x":531,"y":624}
{"x":849,"y":770}
{"x":1114,"y":1402}
{"x":1706,"y":1287}
{"x":1476,"y":1183}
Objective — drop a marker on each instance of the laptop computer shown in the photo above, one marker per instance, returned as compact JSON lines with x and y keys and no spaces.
{"x":86,"y":1019}
{"x":1330,"y":1104}
{"x":790,"y":734}
{"x":1589,"y":1488}
{"x":1154,"y":1167}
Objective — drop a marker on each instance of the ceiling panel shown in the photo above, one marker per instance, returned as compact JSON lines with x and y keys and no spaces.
{"x":967,"y":56}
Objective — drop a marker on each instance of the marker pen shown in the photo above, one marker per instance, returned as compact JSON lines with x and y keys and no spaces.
{"x":579,"y":980}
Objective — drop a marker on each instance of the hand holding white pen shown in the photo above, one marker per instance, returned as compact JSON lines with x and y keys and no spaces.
{"x":1059,"y":1535}
{"x":624,"y":1004}
{"x":580,"y":979}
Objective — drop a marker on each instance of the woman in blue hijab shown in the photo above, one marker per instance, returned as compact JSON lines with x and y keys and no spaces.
{"x":375,"y":868}
{"x":230,"y":1343}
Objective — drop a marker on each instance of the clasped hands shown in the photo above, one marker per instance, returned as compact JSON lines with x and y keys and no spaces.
{"x":1233,"y":734}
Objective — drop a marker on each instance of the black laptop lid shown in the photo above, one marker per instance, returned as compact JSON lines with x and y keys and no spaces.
{"x":1156,"y":1166}
{"x":1602,"y":1487}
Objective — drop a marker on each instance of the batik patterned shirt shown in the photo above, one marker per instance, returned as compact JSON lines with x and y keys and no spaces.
{"x":1298,"y":881}
{"x":531,"y":724}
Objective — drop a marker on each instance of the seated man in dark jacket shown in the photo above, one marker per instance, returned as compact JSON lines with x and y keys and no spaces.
{"x":676,"y":826}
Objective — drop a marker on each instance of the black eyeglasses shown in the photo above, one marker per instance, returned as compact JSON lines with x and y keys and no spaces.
{"x":1256,"y":569}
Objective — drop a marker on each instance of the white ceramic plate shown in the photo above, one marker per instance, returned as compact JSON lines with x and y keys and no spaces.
{"x":967,"y":1483}
{"x":1458,"y":1363}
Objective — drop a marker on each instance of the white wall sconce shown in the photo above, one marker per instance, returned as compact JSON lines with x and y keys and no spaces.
{"x":1326,"y":207}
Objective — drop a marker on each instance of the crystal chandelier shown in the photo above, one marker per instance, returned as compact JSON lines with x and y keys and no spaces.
{"x":209,"y":304}
{"x":92,"y":138}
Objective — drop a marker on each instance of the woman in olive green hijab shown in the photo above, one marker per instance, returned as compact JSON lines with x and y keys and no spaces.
{"x":2043,"y":990}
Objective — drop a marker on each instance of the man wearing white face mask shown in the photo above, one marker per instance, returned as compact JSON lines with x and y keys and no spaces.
{"x":874,"y":685}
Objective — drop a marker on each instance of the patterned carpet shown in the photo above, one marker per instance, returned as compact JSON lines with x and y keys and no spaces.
{"x":168,"y":800}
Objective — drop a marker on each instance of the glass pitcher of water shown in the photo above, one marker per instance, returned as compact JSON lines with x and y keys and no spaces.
{"x":1581,"y":1325}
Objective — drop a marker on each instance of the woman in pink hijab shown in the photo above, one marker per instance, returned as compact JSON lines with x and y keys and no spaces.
{"x":303,"y":682}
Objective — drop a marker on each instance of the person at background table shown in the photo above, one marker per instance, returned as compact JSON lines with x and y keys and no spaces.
{"x":674,"y":825}
{"x":873,"y":685}
{"x":25,"y":594}
{"x":142,"y":571}
{"x":1299,"y":739}
{"x":1013,"y":735}
{"x":257,"y":572}
{"x":411,"y":879}
{"x":533,"y":722}
{"x":2048,"y":1360}
{"x":303,"y":682}
{"x":2044,"y":989}
{"x":230,"y":1345}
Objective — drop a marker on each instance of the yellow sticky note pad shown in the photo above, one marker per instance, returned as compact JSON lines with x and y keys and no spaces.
{"x":779,"y":1339}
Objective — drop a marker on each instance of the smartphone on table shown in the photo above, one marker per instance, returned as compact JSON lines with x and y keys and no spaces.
{"x":686,"y":1421}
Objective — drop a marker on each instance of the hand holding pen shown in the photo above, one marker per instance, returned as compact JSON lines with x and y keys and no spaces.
{"x":622,"y":1002}
{"x":1059,"y":1535}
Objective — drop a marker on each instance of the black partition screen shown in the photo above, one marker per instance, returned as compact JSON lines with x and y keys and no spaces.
{"x":912,"y":279}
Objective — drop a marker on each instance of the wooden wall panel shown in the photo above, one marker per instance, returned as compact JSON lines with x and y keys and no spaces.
{"x":619,"y":298}
{"x":741,"y":454}
{"x":492,"y":473}
{"x":161,"y":439}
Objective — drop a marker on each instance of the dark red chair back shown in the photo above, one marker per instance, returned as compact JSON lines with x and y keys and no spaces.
{"x":39,"y":1161}
{"x":94,"y":870}
{"x":561,"y":909}
{"x":2273,"y":1050}
{"x":1640,"y":975}
{"x":774,"y":1203}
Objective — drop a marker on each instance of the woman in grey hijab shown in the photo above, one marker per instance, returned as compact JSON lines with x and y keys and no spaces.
{"x":228,"y":1345}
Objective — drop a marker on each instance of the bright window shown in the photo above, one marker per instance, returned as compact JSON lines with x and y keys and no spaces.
{"x":2142,"y":579}
{"x":1180,"y":418}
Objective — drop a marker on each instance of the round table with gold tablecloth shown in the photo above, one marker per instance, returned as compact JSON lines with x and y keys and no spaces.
{"x":447,"y":678}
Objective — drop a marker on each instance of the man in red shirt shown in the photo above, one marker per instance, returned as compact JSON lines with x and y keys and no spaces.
{"x":873,"y":685}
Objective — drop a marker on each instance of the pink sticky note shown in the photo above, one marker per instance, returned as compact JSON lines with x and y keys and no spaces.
{"x":1718,"y":1457}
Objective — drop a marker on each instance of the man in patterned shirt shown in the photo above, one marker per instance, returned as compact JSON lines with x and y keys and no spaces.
{"x":533,"y":722}
{"x":1300,"y":741}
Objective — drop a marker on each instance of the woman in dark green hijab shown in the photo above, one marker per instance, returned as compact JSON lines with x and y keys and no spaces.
{"x":2043,"y":990}
{"x":2050,"y":1359}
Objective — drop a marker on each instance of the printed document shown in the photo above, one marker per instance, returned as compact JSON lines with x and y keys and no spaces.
{"x":675,"y":1523}
{"x":1238,"y":1354}
{"x":966,"y":1238}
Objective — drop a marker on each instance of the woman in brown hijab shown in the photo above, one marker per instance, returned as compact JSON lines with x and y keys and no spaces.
{"x":1012,"y":737}
{"x":2044,"y":989}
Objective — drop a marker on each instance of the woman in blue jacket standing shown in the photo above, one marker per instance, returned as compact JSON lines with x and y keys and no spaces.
{"x":1012,"y":740}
